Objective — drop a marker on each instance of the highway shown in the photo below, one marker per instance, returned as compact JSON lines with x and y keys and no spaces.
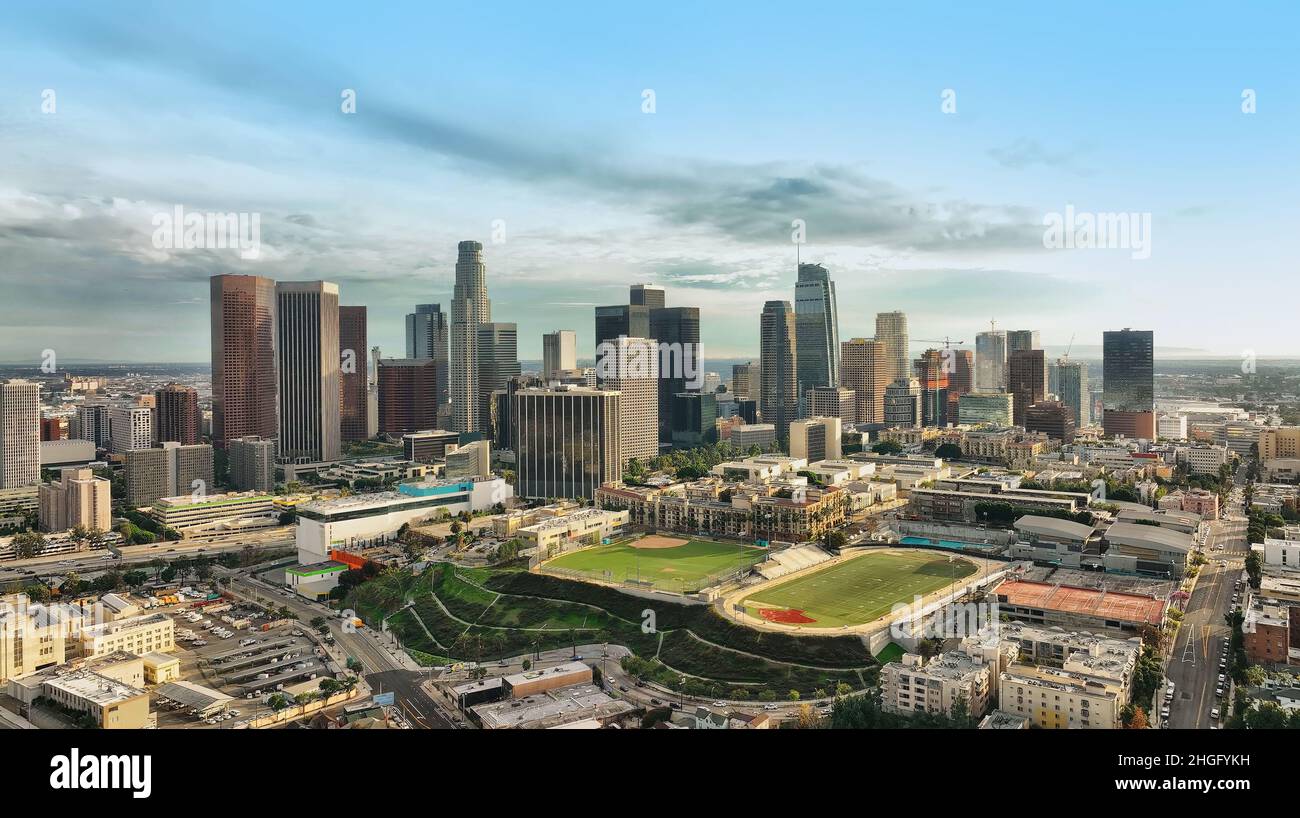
{"x":1194,"y":661}
{"x":134,"y":555}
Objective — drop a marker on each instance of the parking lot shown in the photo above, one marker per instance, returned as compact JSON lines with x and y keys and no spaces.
{"x":249,"y":665}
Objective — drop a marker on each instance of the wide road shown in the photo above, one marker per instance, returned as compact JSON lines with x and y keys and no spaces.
{"x":87,"y":562}
{"x":1194,"y":662}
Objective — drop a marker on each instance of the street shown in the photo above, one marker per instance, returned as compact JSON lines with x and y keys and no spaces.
{"x":1194,"y":661}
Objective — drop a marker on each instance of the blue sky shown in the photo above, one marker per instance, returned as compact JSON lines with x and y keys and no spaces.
{"x":532,"y":115}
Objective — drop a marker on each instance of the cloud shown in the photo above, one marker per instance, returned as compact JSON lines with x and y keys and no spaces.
{"x":1026,"y":153}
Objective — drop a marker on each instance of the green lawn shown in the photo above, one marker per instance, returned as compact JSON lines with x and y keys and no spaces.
{"x":860,"y":589}
{"x":669,"y":569}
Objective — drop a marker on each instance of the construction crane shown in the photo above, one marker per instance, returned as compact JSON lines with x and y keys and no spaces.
{"x":945,"y":340}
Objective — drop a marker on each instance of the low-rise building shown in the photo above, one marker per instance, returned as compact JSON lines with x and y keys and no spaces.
{"x":213,"y":515}
{"x":1073,"y":608}
{"x":151,"y":633}
{"x":588,"y":527}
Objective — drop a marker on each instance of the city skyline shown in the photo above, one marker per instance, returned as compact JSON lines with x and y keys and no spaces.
{"x":938,"y":215}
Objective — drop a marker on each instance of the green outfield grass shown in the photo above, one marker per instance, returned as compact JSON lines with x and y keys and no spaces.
{"x":669,"y":569}
{"x":857,"y":590}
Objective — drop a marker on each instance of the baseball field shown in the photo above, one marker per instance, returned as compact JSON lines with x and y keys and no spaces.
{"x":664,"y":562}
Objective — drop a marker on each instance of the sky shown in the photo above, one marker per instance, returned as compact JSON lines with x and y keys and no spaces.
{"x":924,"y":147}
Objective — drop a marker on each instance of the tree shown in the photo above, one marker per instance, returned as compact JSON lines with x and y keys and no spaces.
{"x":1137,"y":719}
{"x":948,"y":451}
{"x":29,"y":544}
{"x":1254,"y":568}
{"x":887,"y":447}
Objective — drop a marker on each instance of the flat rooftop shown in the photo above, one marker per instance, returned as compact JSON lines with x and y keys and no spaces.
{"x":1083,"y":601}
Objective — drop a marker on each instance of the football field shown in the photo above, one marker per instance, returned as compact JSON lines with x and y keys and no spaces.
{"x":670,"y":564}
{"x":857,"y":590}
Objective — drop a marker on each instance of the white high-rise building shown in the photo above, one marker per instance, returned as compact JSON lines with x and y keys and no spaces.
{"x":130,"y":428}
{"x":891,"y":330}
{"x":20,"y":434}
{"x":631,"y":366}
{"x":559,"y":352}
{"x":307,"y":364}
{"x":1171,"y":427}
{"x":991,"y":361}
{"x":470,"y":307}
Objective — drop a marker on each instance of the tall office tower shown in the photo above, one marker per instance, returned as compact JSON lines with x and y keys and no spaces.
{"x":991,"y":361}
{"x":176,"y":414}
{"x":426,"y":337}
{"x":632,"y":320}
{"x":307,"y":355}
{"x":681,"y":363}
{"x":92,"y":424}
{"x":932,"y":372}
{"x":470,"y":307}
{"x":20,"y":433}
{"x":903,"y":404}
{"x":977,"y":408}
{"x":864,"y":368}
{"x":498,"y":362}
{"x":647,"y":295}
{"x":1021,"y":340}
{"x":170,"y":471}
{"x":559,"y":352}
{"x":353,"y":371}
{"x":502,"y":400}
{"x":252,"y":464}
{"x":1069,"y":382}
{"x":816,"y":330}
{"x":815,"y":439}
{"x":833,"y":402}
{"x":960,"y":364}
{"x":891,"y":330}
{"x":631,"y":367}
{"x":745,"y":379}
{"x":1128,"y":383}
{"x":1026,"y":381}
{"x":130,"y":427}
{"x":1051,"y":417}
{"x":405,"y":385}
{"x":78,"y":499}
{"x":695,"y":416}
{"x":779,"y":400}
{"x":244,"y":381}
{"x":566,"y":441}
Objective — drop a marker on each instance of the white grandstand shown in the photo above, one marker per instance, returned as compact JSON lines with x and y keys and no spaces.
{"x":789,"y":560}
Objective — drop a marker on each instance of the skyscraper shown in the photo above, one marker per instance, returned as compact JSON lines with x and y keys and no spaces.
{"x":779,"y":401}
{"x":864,"y":368}
{"x":1021,"y":340}
{"x":1128,"y":383}
{"x":816,"y":330}
{"x":1069,"y":382}
{"x":931,"y":371}
{"x":307,"y":356}
{"x":130,"y":427}
{"x":566,"y":441}
{"x":244,"y":380}
{"x":744,"y":380}
{"x":1026,"y":381}
{"x":832,"y":401}
{"x":681,"y":363}
{"x":891,"y":330}
{"x":960,"y":364}
{"x":353,"y":371}
{"x":498,"y":362}
{"x":991,"y":361}
{"x":559,"y":352}
{"x":20,"y":434}
{"x":470,"y":307}
{"x":647,"y":295}
{"x":426,"y":337}
{"x":176,"y":414}
{"x":631,"y":366}
{"x":405,"y":386}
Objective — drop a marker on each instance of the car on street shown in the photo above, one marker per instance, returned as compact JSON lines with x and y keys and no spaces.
{"x":1214,"y":713}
